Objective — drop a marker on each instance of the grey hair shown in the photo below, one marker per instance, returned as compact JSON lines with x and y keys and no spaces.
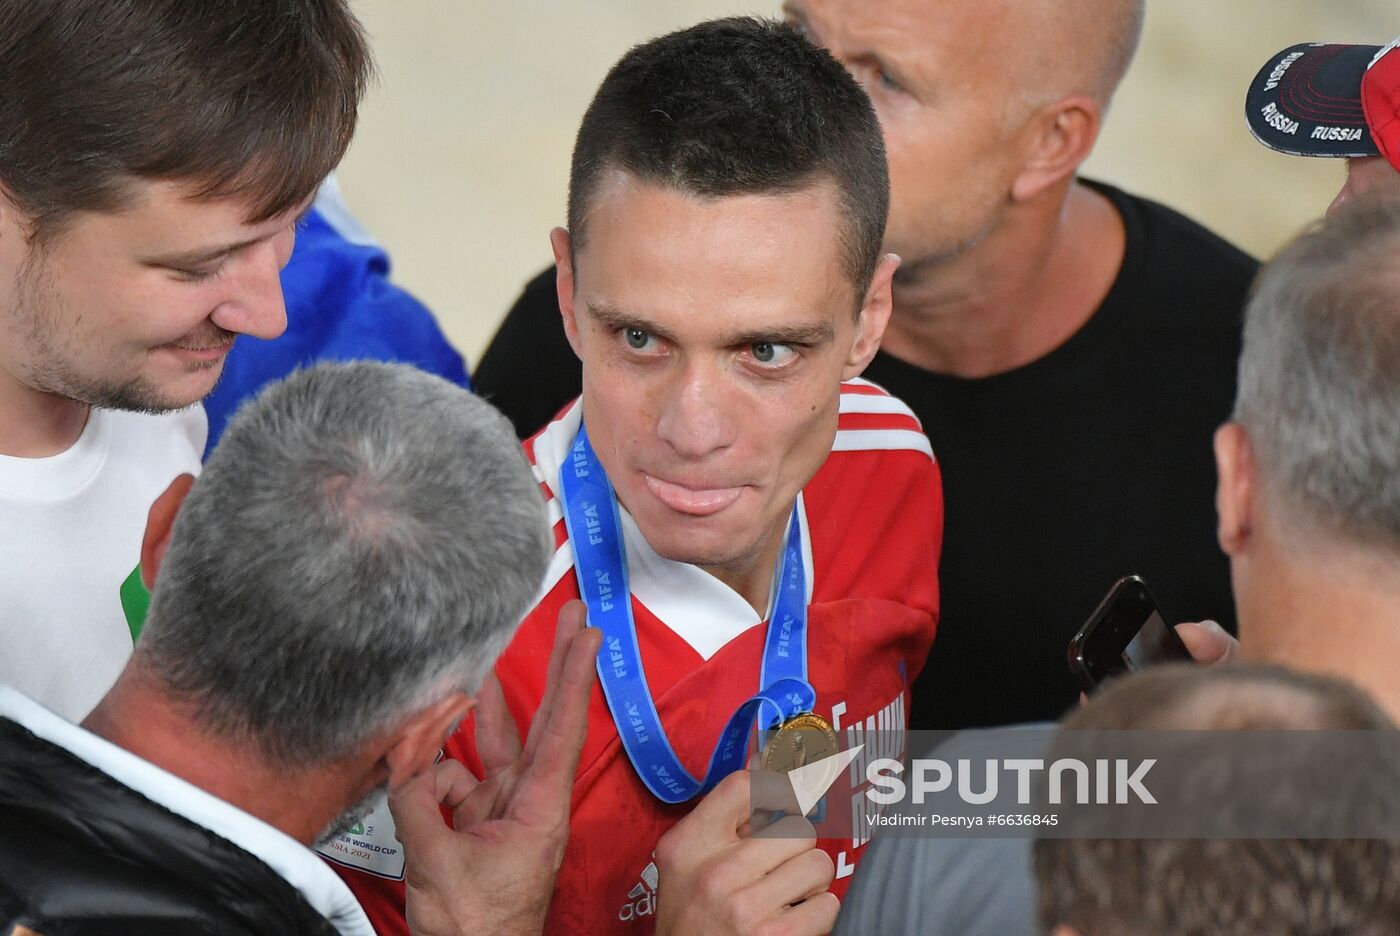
{"x":1319,"y":383}
{"x":364,"y":539}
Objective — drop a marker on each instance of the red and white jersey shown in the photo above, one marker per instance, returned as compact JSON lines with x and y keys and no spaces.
{"x":871,"y":522}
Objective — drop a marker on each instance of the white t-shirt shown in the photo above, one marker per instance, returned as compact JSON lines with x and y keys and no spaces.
{"x":70,"y":534}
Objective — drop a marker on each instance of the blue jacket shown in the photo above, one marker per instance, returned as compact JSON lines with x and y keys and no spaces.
{"x":340,"y":306}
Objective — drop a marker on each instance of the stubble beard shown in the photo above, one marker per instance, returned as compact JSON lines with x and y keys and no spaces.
{"x":916,"y":264}
{"x":52,"y":355}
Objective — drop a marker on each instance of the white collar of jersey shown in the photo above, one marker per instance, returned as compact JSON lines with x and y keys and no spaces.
{"x":699,"y":608}
{"x":296,"y":863}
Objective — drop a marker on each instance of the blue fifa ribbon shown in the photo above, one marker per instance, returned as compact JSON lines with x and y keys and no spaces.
{"x":600,"y":562}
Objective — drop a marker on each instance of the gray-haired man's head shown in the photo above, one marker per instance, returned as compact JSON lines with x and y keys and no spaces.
{"x":1308,"y":499}
{"x":1319,"y":391}
{"x":363,"y":541}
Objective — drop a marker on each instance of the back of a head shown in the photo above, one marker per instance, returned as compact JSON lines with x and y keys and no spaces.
{"x":1186,"y":697}
{"x":1226,"y":886}
{"x":364,"y":539}
{"x":255,"y":99}
{"x":737,"y":107}
{"x":1319,"y":383}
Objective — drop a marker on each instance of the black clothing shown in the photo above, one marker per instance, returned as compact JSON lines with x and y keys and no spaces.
{"x":1089,"y":464}
{"x":1059,"y":477}
{"x":82,"y":854}
{"x":530,"y":371}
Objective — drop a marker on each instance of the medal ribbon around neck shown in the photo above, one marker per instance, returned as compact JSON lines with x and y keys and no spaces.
{"x":600,"y":563}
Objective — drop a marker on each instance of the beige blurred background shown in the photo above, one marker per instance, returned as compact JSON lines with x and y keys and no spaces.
{"x":461,"y":163}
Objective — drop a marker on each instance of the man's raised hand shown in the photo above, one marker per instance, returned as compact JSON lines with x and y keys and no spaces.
{"x":716,"y":881}
{"x":493,"y":871}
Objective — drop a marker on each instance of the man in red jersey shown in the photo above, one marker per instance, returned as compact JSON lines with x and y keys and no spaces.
{"x":721,"y":281}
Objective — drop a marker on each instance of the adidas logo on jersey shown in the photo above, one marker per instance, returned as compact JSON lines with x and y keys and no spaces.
{"x":641,"y":900}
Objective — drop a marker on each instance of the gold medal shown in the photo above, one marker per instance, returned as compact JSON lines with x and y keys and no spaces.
{"x":801,"y":740}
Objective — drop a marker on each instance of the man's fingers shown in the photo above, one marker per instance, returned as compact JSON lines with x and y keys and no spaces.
{"x":762,"y":882}
{"x":806,"y":874}
{"x":414,"y":806}
{"x":453,"y":783}
{"x":545,"y":788}
{"x":497,"y":737}
{"x":1208,"y":642}
{"x":573,"y":617}
{"x":749,"y":860}
{"x":717,"y":817}
{"x":815,"y":916}
{"x":771,"y":791}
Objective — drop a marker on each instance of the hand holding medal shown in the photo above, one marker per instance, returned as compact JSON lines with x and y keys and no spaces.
{"x":717,"y":880}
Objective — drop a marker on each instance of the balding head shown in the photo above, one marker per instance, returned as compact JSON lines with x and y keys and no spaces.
{"x":1084,"y":47}
{"x":1047,"y":48}
{"x":983,"y":103}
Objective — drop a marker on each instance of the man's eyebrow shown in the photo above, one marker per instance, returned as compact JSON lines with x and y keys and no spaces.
{"x":206,"y":255}
{"x":194,"y":258}
{"x":806,"y":334}
{"x":813,"y":334}
{"x":613,"y":317}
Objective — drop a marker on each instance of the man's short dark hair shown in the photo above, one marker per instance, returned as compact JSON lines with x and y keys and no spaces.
{"x":255,"y":99}
{"x":734,"y":107}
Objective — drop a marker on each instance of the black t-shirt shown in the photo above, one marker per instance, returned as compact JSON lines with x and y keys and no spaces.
{"x":529,"y":370}
{"x":1091,"y":463}
{"x":1060,"y":477}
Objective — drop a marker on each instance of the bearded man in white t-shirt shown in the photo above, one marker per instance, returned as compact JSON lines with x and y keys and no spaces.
{"x":154,"y":159}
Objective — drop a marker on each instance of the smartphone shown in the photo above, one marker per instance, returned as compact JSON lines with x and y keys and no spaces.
{"x":1127,"y":632}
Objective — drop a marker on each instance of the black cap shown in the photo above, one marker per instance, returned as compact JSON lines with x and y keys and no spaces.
{"x":1306,"y":101}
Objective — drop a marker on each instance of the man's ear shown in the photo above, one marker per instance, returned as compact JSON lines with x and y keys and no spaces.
{"x":1236,"y":487}
{"x":16,"y":231}
{"x":1058,"y":138}
{"x":159,"y":522}
{"x":413,"y":747}
{"x":564,"y":283}
{"x":874,"y":316}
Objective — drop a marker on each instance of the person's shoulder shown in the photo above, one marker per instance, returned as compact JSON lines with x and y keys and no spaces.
{"x":871,"y":420}
{"x":879,"y":453}
{"x":1166,"y":231}
{"x":882,"y":474}
{"x":1182,"y":285}
{"x":547,"y":449}
{"x":971,"y":886}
